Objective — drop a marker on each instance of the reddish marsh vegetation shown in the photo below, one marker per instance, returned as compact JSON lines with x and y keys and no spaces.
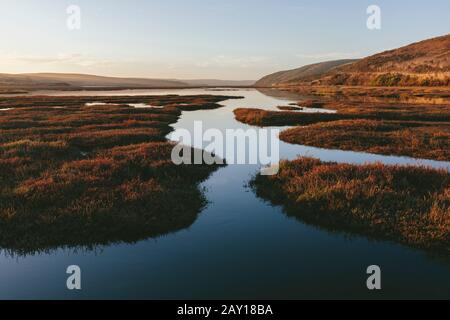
{"x":93,"y":175}
{"x":421,"y":131}
{"x":207,"y":101}
{"x":258,"y":117}
{"x":406,"y":204}
{"x":380,"y":137}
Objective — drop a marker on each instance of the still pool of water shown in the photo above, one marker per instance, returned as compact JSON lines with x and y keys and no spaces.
{"x":239,"y":247}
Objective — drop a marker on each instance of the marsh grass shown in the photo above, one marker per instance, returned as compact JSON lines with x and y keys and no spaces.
{"x":263,"y":118}
{"x":420,"y":131}
{"x":379,"y":137}
{"x":405,"y":204}
{"x":87,"y":176}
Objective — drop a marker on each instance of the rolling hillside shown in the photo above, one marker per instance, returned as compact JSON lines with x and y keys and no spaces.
{"x":302,"y":74}
{"x":82,"y":80}
{"x":425,"y":63}
{"x":65,"y":81}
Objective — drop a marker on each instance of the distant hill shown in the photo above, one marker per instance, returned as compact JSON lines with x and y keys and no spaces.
{"x":425,"y":63}
{"x":302,"y":74}
{"x":219,"y":83}
{"x":84,"y":80}
{"x":68,"y":81}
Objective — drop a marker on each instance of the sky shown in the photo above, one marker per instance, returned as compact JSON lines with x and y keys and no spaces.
{"x":204,"y":39}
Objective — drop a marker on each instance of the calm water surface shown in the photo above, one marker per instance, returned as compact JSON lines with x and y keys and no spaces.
{"x":239,"y":247}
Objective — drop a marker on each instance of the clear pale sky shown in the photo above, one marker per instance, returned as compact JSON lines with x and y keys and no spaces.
{"x":187,"y":39}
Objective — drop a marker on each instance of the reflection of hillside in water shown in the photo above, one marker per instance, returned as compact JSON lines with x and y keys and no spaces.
{"x":283,"y":94}
{"x":363,"y":94}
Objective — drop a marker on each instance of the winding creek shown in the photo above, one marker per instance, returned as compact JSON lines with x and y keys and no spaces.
{"x":239,"y":247}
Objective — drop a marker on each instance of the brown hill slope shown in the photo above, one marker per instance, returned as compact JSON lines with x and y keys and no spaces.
{"x":34,"y":81}
{"x":425,"y":63}
{"x":82,"y":80}
{"x":302,"y":74}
